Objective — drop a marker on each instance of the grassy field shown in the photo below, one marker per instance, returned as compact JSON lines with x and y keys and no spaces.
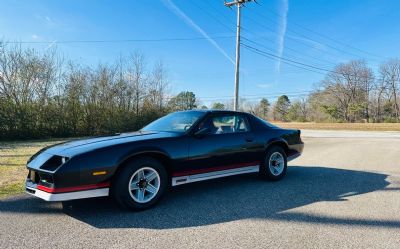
{"x":13,"y":157}
{"x":341,"y":126}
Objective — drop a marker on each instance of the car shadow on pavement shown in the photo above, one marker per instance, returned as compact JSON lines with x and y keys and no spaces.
{"x":224,"y":200}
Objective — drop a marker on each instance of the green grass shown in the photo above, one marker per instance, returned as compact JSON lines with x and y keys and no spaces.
{"x":11,"y":189}
{"x":13,"y":158}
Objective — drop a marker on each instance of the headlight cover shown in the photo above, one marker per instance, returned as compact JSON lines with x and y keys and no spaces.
{"x":54,"y":163}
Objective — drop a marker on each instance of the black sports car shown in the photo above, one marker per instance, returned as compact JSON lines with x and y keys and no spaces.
{"x":182,"y":147}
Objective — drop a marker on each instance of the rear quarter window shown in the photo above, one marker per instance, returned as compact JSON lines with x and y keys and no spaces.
{"x":261,"y":123}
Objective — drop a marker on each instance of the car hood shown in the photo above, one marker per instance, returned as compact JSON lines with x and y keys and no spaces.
{"x":71,"y":148}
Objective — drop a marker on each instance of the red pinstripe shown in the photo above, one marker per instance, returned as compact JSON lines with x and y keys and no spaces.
{"x":73,"y":189}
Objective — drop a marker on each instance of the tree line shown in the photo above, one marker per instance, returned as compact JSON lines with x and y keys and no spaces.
{"x":351,"y":92}
{"x":43,"y":95}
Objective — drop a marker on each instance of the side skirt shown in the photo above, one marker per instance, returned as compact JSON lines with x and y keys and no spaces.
{"x":179,"y":180}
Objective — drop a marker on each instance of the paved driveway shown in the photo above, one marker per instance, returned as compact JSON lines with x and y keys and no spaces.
{"x":344,"y":192}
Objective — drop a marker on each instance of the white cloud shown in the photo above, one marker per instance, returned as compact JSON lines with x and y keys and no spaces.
{"x":49,"y":20}
{"x":170,"y":5}
{"x":35,"y":37}
{"x":284,"y":9}
{"x":46,"y":19}
{"x":264,"y":85}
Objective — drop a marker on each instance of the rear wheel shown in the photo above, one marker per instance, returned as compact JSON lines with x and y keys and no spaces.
{"x":140,"y":184}
{"x":275,"y":164}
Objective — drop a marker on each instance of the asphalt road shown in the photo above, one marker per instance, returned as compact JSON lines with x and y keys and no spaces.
{"x":344,"y":192}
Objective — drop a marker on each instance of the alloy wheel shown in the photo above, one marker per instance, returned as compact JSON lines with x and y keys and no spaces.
{"x":144,"y":184}
{"x":276,"y":163}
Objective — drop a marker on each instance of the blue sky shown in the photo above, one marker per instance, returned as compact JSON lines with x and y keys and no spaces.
{"x":321,"y":33}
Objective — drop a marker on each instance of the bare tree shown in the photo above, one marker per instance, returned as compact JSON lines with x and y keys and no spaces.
{"x":27,"y":83}
{"x":137,"y":78}
{"x":390,"y":74}
{"x":157,"y":86}
{"x":349,"y":86}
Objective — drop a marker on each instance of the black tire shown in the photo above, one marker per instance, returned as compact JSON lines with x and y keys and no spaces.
{"x":120,"y":187}
{"x":265,"y":170}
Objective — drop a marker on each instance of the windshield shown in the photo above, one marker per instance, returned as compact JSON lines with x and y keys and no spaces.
{"x":175,"y":122}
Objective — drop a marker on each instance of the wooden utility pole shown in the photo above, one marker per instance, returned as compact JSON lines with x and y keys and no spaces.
{"x":238,"y":4}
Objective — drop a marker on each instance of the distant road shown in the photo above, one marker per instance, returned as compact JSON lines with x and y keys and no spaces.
{"x":341,"y":126}
{"x":351,"y":134}
{"x":344,"y":192}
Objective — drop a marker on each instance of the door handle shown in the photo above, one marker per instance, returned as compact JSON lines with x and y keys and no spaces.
{"x":249,"y":139}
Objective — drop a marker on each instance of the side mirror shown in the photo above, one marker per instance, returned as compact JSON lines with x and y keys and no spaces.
{"x":202,"y":132}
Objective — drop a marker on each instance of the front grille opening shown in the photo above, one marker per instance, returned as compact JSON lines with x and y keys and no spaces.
{"x":46,"y":179}
{"x":33,"y":176}
{"x":30,"y":190}
{"x":40,"y":178}
{"x":53,"y":163}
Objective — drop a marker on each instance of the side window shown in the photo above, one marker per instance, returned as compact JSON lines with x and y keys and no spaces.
{"x":222,"y":124}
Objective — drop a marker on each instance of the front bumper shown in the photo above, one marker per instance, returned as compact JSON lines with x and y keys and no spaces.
{"x":67,"y":196}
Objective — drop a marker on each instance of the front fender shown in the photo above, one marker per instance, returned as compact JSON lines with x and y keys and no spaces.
{"x":143,"y":151}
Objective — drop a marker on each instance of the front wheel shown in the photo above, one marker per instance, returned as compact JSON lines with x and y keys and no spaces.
{"x":140,"y":184}
{"x":275,"y":164}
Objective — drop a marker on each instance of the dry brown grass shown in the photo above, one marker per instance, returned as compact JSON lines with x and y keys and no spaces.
{"x":13,"y":157}
{"x":341,"y":126}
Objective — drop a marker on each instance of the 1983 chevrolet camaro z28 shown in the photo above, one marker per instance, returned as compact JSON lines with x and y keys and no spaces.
{"x":183,"y":147}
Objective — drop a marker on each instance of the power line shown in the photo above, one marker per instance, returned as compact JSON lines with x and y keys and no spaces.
{"x":327,"y":37}
{"x":306,"y":37}
{"x":245,"y":29}
{"x":222,"y":14}
{"x":212,"y":16}
{"x":230,"y":29}
{"x":257,"y":95}
{"x":300,"y":41}
{"x":299,"y":64}
{"x":288,"y":61}
{"x":291,"y":49}
{"x":291,"y":38}
{"x":286,"y":47}
{"x":119,"y":41}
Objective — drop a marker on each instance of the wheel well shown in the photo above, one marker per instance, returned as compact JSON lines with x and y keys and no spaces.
{"x":281,"y":144}
{"x":163,"y":159}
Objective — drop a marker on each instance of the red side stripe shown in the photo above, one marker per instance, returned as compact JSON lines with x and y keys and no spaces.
{"x":207,"y":170}
{"x":72,"y":189}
